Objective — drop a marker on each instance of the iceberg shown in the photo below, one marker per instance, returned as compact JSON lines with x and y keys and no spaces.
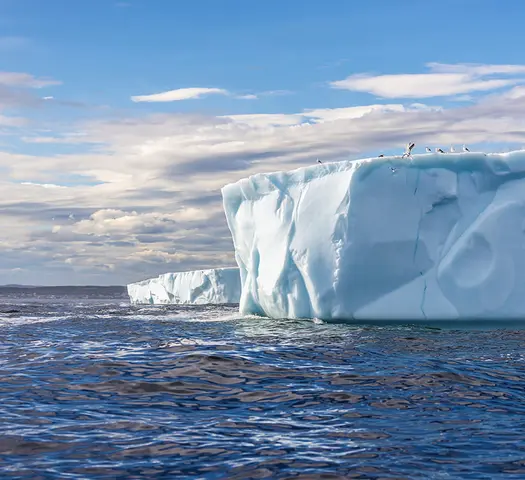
{"x":199,"y":287}
{"x":431,"y":237}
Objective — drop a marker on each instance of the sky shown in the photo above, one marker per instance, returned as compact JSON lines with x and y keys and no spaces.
{"x":121,"y":120}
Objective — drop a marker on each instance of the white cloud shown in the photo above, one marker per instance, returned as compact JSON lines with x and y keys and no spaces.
{"x":464,"y":98}
{"x":149,"y":254}
{"x":266,"y":93}
{"x":331,"y":114}
{"x":67,"y":139}
{"x":249,"y":96}
{"x":194,"y":93}
{"x":266,"y":119}
{"x":42,"y":185}
{"x":118,"y":222}
{"x":7,"y":121}
{"x":17,"y":79}
{"x":443,"y":80}
{"x":321,"y":115}
{"x":515,"y":93}
{"x":179,"y":94}
{"x":113,"y":221}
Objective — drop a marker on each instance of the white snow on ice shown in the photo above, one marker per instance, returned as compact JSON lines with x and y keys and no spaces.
{"x":199,"y":287}
{"x":430,"y":237}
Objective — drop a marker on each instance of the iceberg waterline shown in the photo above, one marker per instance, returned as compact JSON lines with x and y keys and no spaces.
{"x":199,"y":287}
{"x":430,"y":237}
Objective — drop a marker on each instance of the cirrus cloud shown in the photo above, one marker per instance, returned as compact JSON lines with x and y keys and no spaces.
{"x":442,"y":80}
{"x":179,"y":94}
{"x":17,"y":79}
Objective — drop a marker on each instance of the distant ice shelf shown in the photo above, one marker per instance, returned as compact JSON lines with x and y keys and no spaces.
{"x":199,"y":287}
{"x":436,"y":236}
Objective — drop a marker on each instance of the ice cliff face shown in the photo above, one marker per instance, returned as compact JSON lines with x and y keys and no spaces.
{"x":221,"y":285}
{"x":433,"y":237}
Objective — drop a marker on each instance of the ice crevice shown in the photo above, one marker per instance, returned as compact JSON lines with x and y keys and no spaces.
{"x":422,"y":305}
{"x":416,"y":243}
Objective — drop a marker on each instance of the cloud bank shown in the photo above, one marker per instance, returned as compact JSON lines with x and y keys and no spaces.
{"x":124,"y":196}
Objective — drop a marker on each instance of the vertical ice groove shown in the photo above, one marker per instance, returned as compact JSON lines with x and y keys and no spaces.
{"x":420,"y":218}
{"x":286,"y":273}
{"x":250,"y":290}
{"x":300,"y":284}
{"x":290,"y":278}
{"x":339,"y":236}
{"x":416,"y":244}
{"x":417,"y":181}
{"x":301,"y":291}
{"x":423,"y":297}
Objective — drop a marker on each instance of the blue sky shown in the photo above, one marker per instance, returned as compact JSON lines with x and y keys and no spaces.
{"x":105,"y":183}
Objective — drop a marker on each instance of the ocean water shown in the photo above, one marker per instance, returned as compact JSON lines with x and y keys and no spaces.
{"x":92,"y":387}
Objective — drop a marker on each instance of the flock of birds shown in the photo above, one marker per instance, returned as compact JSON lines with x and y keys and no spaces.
{"x":411,"y":145}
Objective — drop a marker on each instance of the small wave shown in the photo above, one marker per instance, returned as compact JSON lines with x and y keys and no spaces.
{"x":21,"y":320}
{"x":193,"y":342}
{"x":149,"y":309}
{"x":163,"y":317}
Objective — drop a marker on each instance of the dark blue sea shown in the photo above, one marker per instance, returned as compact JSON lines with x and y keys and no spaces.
{"x":94,"y":388}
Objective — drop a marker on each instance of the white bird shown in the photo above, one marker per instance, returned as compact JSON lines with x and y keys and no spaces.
{"x":408,"y":151}
{"x":438,"y":150}
{"x":452,"y":149}
{"x":465,"y":149}
{"x":428,"y":150}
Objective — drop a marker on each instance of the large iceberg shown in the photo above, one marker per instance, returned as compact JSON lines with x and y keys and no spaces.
{"x":214,"y":286}
{"x":436,"y":236}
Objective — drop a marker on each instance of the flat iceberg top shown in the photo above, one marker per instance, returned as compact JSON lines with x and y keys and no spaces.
{"x":498,"y":163}
{"x":198,"y":287}
{"x":428,"y":237}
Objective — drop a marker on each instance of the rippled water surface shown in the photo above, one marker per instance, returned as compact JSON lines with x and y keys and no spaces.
{"x":91,"y":387}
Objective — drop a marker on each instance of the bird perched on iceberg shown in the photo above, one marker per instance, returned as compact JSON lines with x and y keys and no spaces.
{"x":319,"y":161}
{"x":408,"y":151}
{"x":465,"y":148}
{"x":452,"y":149}
{"x":439,"y":150}
{"x":380,"y":156}
{"x":428,"y":150}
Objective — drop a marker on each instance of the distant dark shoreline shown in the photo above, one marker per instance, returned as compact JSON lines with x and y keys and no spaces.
{"x":92,"y":291}
{"x":17,"y":286}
